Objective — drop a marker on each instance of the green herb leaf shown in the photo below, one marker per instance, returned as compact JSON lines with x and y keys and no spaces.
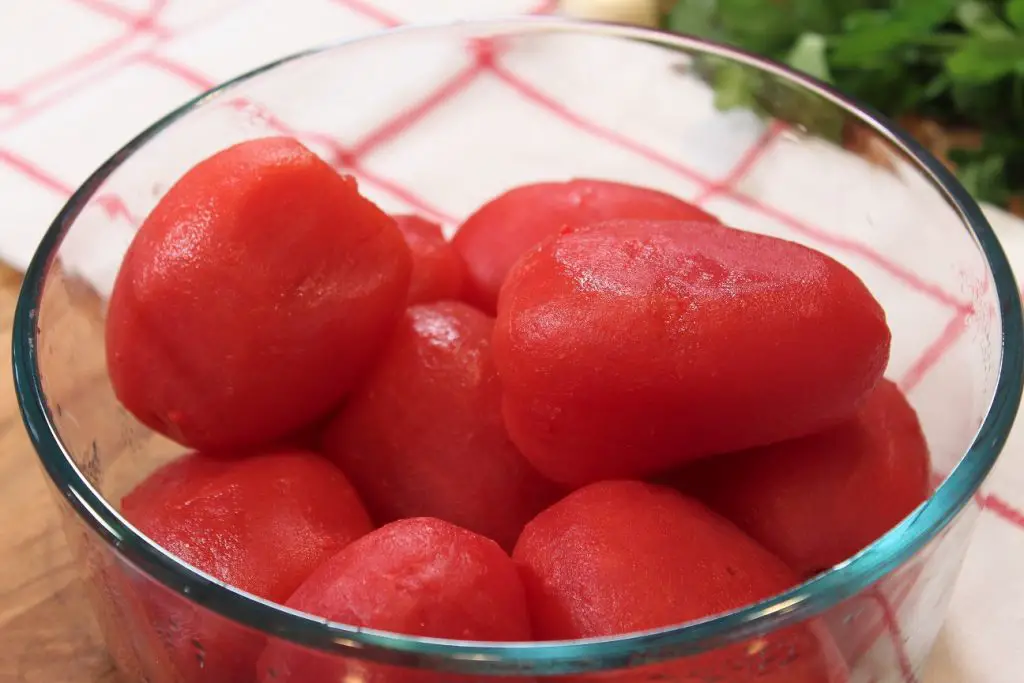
{"x":926,"y":14}
{"x":982,"y":172}
{"x":980,"y":20}
{"x":895,"y":91}
{"x":763,"y":27}
{"x":740,"y":87}
{"x":984,"y":61}
{"x":1015,"y":13}
{"x":859,"y":20}
{"x":808,"y":55}
{"x":801,"y":108}
{"x":770,"y":27}
{"x":871,"y":36}
{"x":870,"y":45}
{"x":696,"y":18}
{"x":734,"y":87}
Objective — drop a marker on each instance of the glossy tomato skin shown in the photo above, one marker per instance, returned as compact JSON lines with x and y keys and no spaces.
{"x":818,"y":500}
{"x":261,"y":524}
{"x":251,"y":298}
{"x":492,"y":239}
{"x":618,"y":557}
{"x":423,"y":434}
{"x":420,"y":577}
{"x":631,"y":347}
{"x":437,"y":269}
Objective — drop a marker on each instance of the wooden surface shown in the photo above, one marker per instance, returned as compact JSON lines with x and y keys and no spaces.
{"x":47,"y":633}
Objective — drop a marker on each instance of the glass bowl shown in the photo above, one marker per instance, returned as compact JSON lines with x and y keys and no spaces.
{"x":527,"y":100}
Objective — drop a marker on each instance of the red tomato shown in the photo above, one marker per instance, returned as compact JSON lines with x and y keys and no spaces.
{"x":423,"y":435}
{"x":251,"y":297}
{"x":619,"y":557}
{"x":631,"y":347}
{"x":818,"y":500}
{"x":261,"y":524}
{"x":437,"y":269}
{"x":419,"y":577}
{"x":132,"y":639}
{"x":493,"y":238}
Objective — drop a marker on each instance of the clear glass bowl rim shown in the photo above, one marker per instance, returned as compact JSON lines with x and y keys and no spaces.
{"x":808,"y":599}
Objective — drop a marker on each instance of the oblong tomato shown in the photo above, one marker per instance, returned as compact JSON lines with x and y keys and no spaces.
{"x":423,"y":435}
{"x":437,"y":269}
{"x":818,"y":500}
{"x":631,"y":347}
{"x":251,"y":298}
{"x":619,"y":557}
{"x":261,"y":524}
{"x":419,"y":577}
{"x":492,"y":239}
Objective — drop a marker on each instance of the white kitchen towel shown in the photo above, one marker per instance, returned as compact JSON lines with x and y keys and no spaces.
{"x":78,"y":78}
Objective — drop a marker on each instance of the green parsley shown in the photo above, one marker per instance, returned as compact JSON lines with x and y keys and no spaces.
{"x":957,"y":63}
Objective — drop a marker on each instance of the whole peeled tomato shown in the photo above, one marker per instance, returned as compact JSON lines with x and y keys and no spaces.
{"x":619,"y":557}
{"x":261,"y":523}
{"x":132,"y":640}
{"x":818,"y":500}
{"x":417,"y":577}
{"x":252,"y":296}
{"x":423,"y":435}
{"x":437,"y":269}
{"x":630,"y":347}
{"x":492,"y":239}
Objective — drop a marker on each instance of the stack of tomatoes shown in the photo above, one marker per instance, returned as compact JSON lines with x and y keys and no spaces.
{"x":597,"y":410}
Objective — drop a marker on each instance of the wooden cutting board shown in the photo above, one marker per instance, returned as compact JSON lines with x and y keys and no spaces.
{"x":47,"y":633}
